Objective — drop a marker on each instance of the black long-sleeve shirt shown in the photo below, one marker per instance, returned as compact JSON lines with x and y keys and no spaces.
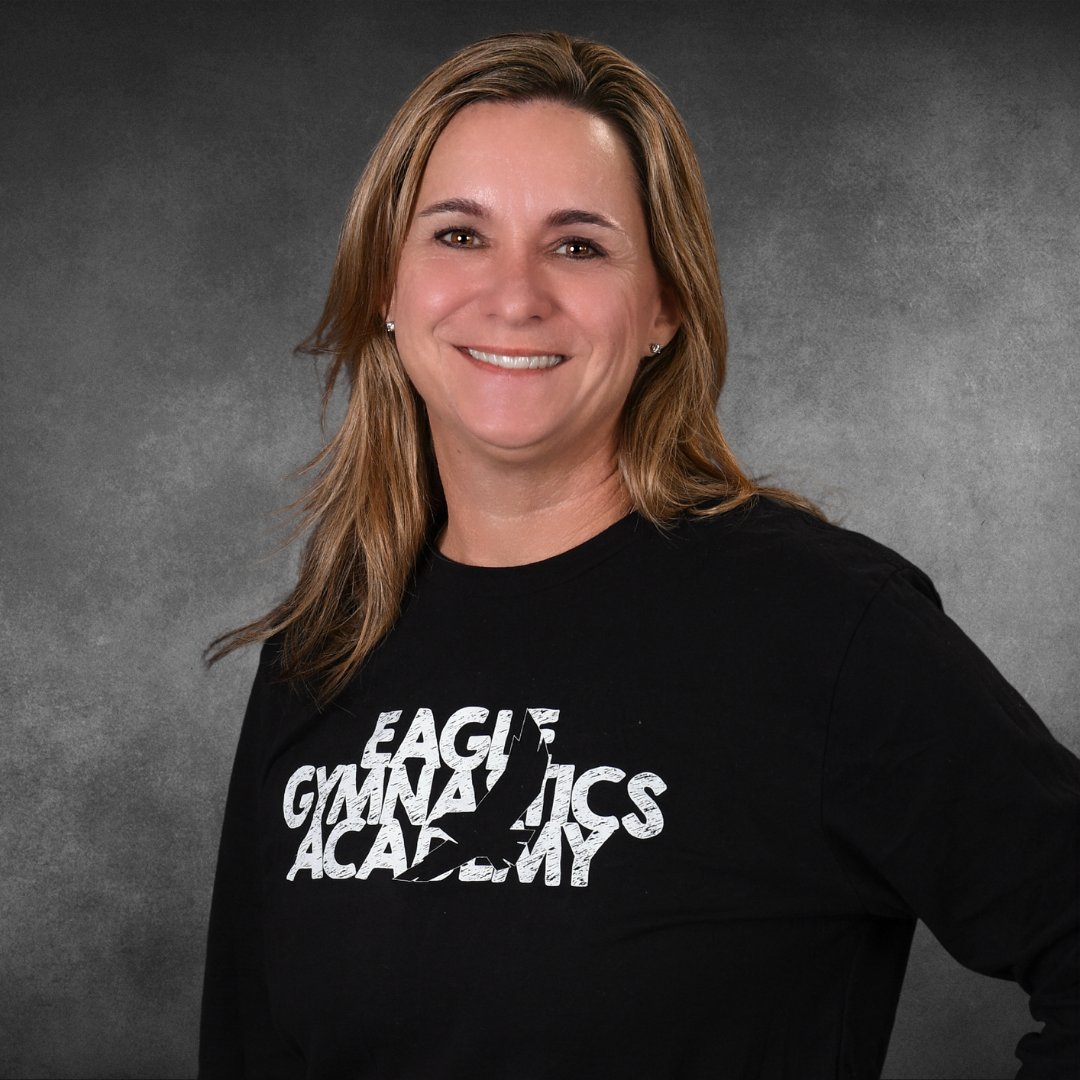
{"x":665,"y":805}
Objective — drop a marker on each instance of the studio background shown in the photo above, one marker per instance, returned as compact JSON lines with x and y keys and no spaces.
{"x":895,"y":191}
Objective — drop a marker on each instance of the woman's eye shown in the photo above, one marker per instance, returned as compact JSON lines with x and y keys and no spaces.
{"x":458,"y":238}
{"x":577,"y":249}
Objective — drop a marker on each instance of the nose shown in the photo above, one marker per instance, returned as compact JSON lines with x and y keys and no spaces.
{"x":517,"y":291}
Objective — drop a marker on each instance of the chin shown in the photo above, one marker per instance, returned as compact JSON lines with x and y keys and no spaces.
{"x":512,"y":429}
{"x":514,"y":440}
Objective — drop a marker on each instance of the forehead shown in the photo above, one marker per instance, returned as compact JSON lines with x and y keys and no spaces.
{"x":531,"y":153}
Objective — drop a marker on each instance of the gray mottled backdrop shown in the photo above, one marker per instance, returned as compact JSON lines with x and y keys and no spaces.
{"x":895,"y":189}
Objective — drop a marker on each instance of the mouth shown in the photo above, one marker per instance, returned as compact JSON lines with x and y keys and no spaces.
{"x":532,"y":362}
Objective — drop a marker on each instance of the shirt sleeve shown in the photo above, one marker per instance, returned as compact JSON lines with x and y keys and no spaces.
{"x":946,"y":797}
{"x":238,"y":1037}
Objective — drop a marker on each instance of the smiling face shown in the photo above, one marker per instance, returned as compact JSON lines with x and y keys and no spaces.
{"x":526,"y":293}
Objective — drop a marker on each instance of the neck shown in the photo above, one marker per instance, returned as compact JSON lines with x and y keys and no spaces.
{"x":508,"y":513}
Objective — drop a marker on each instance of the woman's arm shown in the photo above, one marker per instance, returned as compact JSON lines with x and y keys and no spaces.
{"x":947,"y":797}
{"x":238,"y":1037}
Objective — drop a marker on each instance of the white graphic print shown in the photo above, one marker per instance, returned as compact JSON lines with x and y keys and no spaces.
{"x":505,"y":806}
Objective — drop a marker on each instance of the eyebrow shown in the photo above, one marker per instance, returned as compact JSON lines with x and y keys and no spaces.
{"x":578,"y":217}
{"x":455,"y":206}
{"x":556,"y":219}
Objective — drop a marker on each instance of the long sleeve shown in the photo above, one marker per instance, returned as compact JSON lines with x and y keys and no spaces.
{"x":238,"y":1037}
{"x":946,"y":797}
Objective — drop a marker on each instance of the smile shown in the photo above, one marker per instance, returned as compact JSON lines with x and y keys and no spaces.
{"x":517,"y":363}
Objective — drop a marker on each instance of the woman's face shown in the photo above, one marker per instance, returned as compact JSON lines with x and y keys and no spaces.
{"x":526,"y":293}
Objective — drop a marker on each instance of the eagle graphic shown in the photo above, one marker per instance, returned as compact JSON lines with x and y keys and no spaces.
{"x":487,"y":831}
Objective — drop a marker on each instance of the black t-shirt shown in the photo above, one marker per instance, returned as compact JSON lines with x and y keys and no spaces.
{"x":665,"y":805}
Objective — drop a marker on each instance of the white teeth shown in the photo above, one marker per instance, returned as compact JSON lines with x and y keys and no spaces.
{"x":516,"y":362}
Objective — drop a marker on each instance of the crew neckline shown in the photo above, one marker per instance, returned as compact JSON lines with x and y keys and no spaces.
{"x":530,"y":577}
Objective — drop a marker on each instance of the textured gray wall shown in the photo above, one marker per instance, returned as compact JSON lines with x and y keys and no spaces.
{"x":896,"y":196}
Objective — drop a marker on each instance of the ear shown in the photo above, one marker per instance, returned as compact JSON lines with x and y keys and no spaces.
{"x":668,"y":316}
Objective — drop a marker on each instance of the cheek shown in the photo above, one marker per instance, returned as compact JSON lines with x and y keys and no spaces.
{"x":612,"y":316}
{"x":427,"y":292}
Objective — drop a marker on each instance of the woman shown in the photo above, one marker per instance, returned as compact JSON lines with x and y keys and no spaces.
{"x":574,"y":752}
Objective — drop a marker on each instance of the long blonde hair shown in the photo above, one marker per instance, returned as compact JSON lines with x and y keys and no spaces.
{"x":376,"y":497}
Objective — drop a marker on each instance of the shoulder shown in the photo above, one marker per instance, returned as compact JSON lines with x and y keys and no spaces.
{"x":765,"y":597}
{"x":274,"y":700}
{"x":788,"y":558}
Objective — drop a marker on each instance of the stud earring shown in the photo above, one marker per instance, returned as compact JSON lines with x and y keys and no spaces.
{"x":655,"y":349}
{"x":389,"y":327}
